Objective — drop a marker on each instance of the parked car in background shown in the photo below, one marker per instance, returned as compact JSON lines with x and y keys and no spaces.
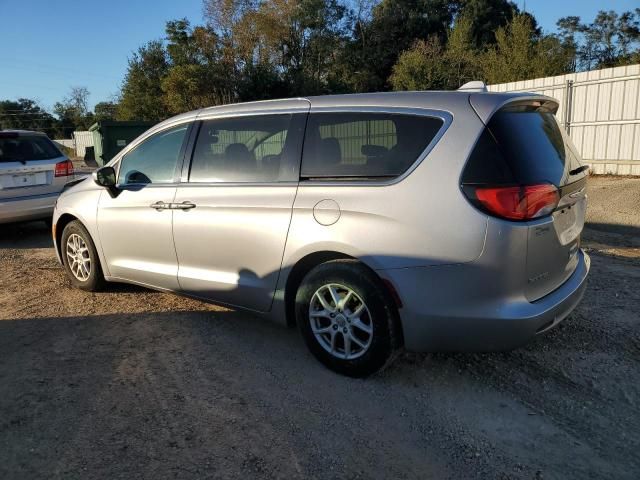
{"x":433,"y":220}
{"x":33,"y":172}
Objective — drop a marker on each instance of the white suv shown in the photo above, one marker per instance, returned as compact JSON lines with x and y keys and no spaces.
{"x":33,"y":172}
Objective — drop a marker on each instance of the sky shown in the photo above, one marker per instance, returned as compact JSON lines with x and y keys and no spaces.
{"x":48,"y":46}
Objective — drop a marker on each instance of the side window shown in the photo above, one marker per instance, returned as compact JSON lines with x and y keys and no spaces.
{"x":262,"y":148}
{"x":155,"y":159}
{"x":365,"y":145}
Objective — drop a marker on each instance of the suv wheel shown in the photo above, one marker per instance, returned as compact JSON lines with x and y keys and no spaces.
{"x":80,"y":258}
{"x":346,"y":319}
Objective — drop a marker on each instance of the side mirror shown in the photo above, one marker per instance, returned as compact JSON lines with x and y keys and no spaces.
{"x":106,"y":177}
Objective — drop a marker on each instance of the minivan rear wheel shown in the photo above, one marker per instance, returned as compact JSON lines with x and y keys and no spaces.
{"x":80,"y":258}
{"x":346,"y":319}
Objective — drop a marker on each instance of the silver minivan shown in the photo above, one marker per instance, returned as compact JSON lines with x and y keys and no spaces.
{"x":33,"y":172}
{"x":434,"y":221}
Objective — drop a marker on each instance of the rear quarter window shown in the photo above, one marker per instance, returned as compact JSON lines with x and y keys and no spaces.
{"x":524,"y":147}
{"x":365,"y":145}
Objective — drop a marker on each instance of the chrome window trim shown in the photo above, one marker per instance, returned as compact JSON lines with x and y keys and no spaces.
{"x":302,"y":108}
{"x":288,"y":183}
{"x":445,"y":116}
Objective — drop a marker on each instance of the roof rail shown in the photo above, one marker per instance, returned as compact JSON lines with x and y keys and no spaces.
{"x":474,"y":86}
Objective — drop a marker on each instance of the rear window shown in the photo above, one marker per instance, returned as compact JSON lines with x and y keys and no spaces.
{"x":523,"y":147}
{"x":366,"y":145}
{"x":25,"y":148}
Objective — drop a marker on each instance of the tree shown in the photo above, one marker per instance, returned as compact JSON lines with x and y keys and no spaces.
{"x":521,"y":53}
{"x":610,"y":40}
{"x":395,"y":26}
{"x":73,"y":111}
{"x":261,"y":49}
{"x":430,"y":65}
{"x":105,"y":111}
{"x":300,"y":37}
{"x":189,"y":87}
{"x":421,"y":67}
{"x":26,"y":114}
{"x":197,"y":77}
{"x":142,"y":95}
{"x":486,"y":16}
{"x":462,"y":58}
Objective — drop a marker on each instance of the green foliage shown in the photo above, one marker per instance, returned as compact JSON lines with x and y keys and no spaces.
{"x":262,"y":49}
{"x":429,"y":65}
{"x":105,"y":111}
{"x":610,"y":40}
{"x":142,"y":95}
{"x":421,"y":67}
{"x":73,"y":112}
{"x":26,"y":114}
{"x":394,"y":27}
{"x":189,"y":87}
{"x":520,"y":53}
{"x":486,"y":16}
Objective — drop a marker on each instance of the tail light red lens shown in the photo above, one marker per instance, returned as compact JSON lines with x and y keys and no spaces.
{"x":523,"y":202}
{"x":64,"y":169}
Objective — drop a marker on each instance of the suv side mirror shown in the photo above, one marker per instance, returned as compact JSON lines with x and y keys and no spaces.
{"x":106,"y":177}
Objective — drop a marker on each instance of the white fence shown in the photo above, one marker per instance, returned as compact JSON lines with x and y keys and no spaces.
{"x":66,"y":143}
{"x":82,"y":141}
{"x":601,"y":111}
{"x":79,"y":142}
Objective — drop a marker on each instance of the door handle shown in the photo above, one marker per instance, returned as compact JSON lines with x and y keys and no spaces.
{"x":184,"y":205}
{"x":160,"y":206}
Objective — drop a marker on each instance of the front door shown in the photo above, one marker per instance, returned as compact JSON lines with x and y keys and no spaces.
{"x":231,"y":233}
{"x":136,"y":225}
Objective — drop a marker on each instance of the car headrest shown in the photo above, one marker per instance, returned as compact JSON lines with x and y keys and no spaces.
{"x":238,"y":155}
{"x":330,"y":151}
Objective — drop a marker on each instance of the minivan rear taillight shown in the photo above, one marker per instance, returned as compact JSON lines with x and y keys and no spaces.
{"x":522,"y":202}
{"x":64,"y":169}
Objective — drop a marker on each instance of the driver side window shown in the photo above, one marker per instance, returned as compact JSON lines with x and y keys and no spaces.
{"x":155,"y":159}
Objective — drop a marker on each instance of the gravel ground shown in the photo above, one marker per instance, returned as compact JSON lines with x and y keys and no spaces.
{"x":132,"y":383}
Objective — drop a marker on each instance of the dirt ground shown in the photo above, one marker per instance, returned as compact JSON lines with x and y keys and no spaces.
{"x":132,"y":383}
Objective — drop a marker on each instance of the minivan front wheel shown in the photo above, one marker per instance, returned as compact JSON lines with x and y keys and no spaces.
{"x":346,"y":319}
{"x":80,"y":258}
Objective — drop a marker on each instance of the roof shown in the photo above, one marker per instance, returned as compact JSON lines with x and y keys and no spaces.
{"x":23,"y":132}
{"x":449,"y":101}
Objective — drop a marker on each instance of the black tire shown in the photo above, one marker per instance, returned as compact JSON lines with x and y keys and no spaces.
{"x":95,"y":279}
{"x":382,"y":316}
{"x":48,"y":222}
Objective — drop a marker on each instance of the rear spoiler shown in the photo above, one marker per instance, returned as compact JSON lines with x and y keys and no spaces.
{"x":485,"y":105}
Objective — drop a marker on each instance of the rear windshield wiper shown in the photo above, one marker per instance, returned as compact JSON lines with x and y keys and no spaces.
{"x":578,"y":170}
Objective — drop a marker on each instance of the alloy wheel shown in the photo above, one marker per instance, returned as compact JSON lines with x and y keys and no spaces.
{"x":78,"y":257}
{"x":340,"y":321}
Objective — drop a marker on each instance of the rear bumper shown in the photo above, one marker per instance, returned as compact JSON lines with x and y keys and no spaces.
{"x":27,"y":208}
{"x":445,"y":308}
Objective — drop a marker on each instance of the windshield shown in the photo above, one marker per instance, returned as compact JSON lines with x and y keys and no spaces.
{"x":26,"y":148}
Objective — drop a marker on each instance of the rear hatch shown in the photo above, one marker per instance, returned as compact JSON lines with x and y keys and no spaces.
{"x":30,"y":165}
{"x":525,"y":169}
